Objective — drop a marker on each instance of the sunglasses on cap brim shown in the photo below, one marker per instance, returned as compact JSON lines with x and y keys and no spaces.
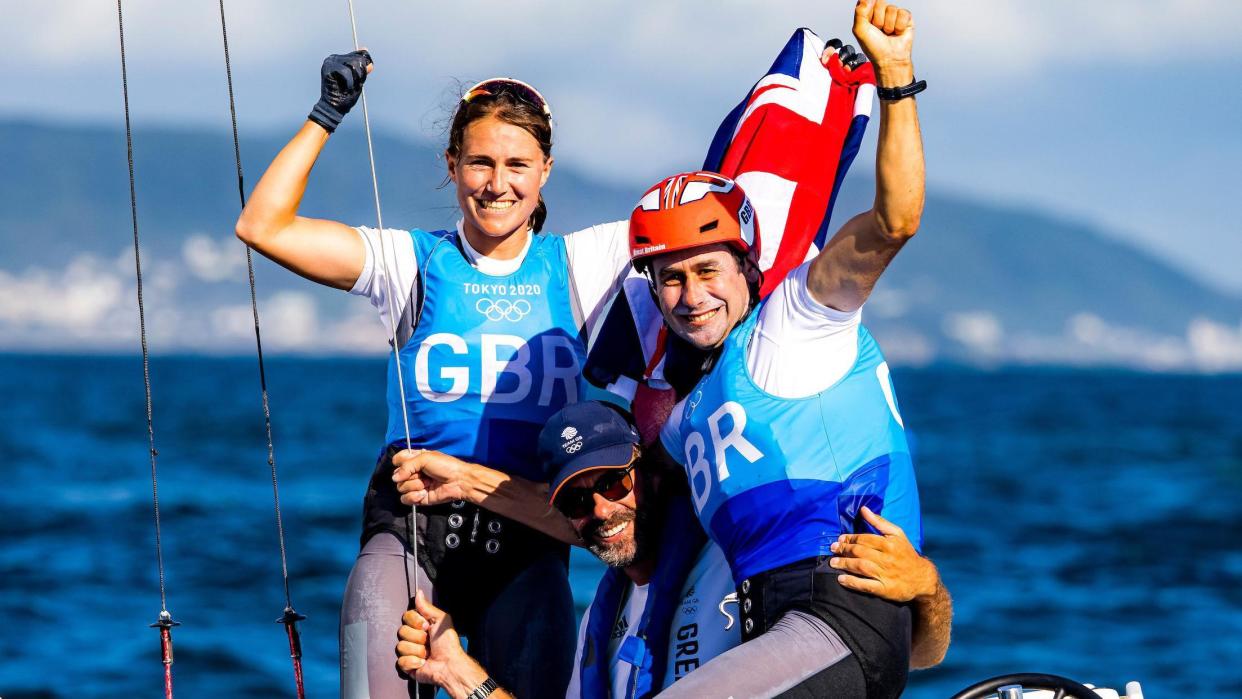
{"x":579,"y":503}
{"x":517,"y":88}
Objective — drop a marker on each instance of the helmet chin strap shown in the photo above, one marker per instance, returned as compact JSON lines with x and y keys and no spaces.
{"x":753,"y":273}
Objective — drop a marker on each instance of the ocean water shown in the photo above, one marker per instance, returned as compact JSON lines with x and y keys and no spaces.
{"x":1087,"y":523}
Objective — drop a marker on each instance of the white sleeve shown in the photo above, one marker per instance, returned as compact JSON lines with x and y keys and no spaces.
{"x":599,"y":258}
{"x":574,"y":691}
{"x":396,"y":280}
{"x":801,"y":346}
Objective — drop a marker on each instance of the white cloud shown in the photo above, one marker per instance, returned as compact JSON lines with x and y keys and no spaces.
{"x":359,"y":332}
{"x":887,"y":302}
{"x":985,"y":39}
{"x":232,"y":324}
{"x":1215,"y":347}
{"x":68,"y":33}
{"x":89,"y":305}
{"x":980,"y":331}
{"x":638,"y":87}
{"x":211,"y":260}
{"x":632,"y":85}
{"x":290,"y":320}
{"x":906,"y":347}
{"x":1088,"y":328}
{"x":988,"y":36}
{"x":1206,"y":345}
{"x":66,"y":300}
{"x":1118,"y":344}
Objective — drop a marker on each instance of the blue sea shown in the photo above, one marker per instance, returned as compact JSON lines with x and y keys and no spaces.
{"x":1087,"y":523}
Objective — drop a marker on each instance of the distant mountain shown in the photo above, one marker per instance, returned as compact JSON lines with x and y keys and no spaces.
{"x":979,"y":284}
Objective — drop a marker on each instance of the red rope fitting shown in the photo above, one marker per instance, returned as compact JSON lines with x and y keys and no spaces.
{"x":165,"y":624}
{"x":290,"y":619}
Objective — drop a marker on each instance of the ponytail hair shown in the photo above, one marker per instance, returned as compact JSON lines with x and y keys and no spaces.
{"x":539,"y":216}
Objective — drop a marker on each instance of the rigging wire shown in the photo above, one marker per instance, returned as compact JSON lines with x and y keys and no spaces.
{"x":290,"y":617}
{"x":379,"y":217}
{"x":165,"y":621}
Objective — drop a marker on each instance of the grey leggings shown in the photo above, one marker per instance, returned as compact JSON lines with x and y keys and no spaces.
{"x":800,"y":656}
{"x":524,"y":638}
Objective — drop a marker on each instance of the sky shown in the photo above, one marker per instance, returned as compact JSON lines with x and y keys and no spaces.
{"x":1123,"y":114}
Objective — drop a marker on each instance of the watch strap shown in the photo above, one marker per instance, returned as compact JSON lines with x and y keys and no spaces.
{"x":484,"y":690}
{"x":898,"y":93}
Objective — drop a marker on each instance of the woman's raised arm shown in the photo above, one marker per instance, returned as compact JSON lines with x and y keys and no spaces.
{"x":328,"y":252}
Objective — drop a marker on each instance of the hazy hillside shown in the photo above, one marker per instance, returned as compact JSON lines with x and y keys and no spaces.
{"x":979,"y":284}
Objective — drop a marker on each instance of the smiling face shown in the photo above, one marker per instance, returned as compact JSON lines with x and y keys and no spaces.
{"x":615,"y":531}
{"x":498,"y":172}
{"x":702,"y":293}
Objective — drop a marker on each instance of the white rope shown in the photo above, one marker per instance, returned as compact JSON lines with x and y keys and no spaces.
{"x":412,"y":519}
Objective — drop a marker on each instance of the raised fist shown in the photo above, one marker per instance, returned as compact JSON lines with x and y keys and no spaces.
{"x":340,"y":86}
{"x":886,"y":34}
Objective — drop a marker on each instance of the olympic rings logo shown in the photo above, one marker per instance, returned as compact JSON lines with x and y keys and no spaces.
{"x":503,"y":309}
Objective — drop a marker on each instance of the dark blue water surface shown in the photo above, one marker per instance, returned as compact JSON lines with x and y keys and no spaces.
{"x":1088,"y":524}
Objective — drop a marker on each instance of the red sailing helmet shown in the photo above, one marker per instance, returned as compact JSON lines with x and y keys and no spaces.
{"x":690,"y":210}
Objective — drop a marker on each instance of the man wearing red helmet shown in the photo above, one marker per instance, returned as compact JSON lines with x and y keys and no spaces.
{"x":817,"y":399}
{"x":794,"y":428}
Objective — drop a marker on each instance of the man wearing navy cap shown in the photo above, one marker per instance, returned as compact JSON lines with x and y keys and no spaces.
{"x":659,"y":611}
{"x":666,"y":603}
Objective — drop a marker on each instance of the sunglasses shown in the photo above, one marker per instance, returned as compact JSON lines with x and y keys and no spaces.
{"x":579,"y":503}
{"x":509,"y":86}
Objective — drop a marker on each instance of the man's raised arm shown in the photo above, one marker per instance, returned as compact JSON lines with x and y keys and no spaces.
{"x":845,"y":271}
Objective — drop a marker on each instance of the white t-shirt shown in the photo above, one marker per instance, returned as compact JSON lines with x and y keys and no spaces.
{"x":800,"y":346}
{"x":704,"y":626}
{"x":627,"y":621}
{"x":598,"y":256}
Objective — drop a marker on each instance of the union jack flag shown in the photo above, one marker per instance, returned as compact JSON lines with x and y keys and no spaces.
{"x":788,"y":143}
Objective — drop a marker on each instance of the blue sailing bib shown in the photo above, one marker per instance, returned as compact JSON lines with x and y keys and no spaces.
{"x":491,"y":357}
{"x":776,"y":480}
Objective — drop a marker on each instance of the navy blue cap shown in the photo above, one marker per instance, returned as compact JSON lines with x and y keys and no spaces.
{"x":583,"y":437}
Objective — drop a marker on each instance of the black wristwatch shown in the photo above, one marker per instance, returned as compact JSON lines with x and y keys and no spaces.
{"x":489,"y":685}
{"x":892,"y":94}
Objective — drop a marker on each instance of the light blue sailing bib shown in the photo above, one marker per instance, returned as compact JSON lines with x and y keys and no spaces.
{"x":776,"y":480}
{"x":491,"y":357}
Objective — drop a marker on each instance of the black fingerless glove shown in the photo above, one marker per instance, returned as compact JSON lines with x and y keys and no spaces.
{"x":340,"y":86}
